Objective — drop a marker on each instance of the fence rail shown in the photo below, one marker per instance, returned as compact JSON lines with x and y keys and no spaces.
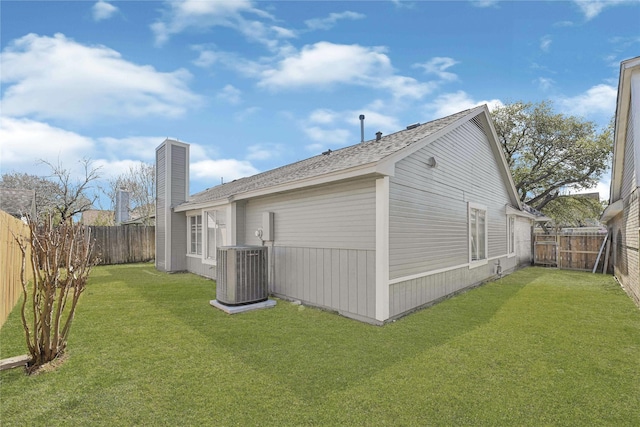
{"x":11,"y":263}
{"x":124,"y":244}
{"x":568,"y":251}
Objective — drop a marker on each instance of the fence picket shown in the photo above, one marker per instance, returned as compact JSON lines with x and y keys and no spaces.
{"x":11,"y":263}
{"x":124,"y":244}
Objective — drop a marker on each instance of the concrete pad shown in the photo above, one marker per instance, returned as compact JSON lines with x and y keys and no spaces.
{"x":242,"y":308}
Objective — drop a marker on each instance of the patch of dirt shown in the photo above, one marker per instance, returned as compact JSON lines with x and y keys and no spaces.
{"x":47,"y":367}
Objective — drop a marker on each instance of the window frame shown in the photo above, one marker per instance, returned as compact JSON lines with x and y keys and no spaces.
{"x":511,"y":236}
{"x":473,"y":228}
{"x":217,"y":233}
{"x":190,"y":235}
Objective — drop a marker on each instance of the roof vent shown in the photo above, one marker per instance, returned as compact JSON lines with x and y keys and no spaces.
{"x":413,"y":126}
{"x":361,"y":127}
{"x":378,"y":135}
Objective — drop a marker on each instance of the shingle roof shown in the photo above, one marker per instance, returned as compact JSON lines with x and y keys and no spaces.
{"x":338,"y":160}
{"x":17,"y":201}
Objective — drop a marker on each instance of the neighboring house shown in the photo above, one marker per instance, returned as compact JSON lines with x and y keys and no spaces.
{"x":18,"y":202}
{"x":97,"y":217}
{"x":142,"y":215}
{"x":622,"y":214}
{"x":372,"y":231}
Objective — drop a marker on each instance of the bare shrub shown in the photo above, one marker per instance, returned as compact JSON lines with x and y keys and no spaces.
{"x":62,"y":258}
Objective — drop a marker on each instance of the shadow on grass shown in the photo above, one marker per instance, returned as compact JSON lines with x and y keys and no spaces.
{"x":315,"y":351}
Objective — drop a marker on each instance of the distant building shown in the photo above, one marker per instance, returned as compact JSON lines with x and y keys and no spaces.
{"x":97,"y":217}
{"x":18,"y":202}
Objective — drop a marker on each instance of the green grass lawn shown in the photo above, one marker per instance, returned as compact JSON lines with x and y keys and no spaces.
{"x":539,"y":347}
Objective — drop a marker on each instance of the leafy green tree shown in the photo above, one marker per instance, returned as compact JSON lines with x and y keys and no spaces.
{"x":574,"y":211}
{"x":551,"y":154}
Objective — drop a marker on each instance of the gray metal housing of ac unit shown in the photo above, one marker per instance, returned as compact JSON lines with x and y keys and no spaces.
{"x":241,"y":275}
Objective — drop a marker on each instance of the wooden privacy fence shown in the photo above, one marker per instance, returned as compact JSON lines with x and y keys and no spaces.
{"x":124,"y":244}
{"x":574,"y":251}
{"x":11,"y":263}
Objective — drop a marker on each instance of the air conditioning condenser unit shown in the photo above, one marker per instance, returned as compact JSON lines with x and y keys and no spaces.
{"x":241,"y":276}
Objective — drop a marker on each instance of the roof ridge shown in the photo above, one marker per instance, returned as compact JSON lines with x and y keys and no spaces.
{"x":343,"y":158}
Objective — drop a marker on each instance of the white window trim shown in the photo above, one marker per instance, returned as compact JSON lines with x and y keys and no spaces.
{"x":511,"y":246}
{"x":189,"y":253}
{"x":205,"y":237}
{"x":485,"y":260}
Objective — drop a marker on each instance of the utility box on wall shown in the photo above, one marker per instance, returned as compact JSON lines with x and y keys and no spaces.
{"x":267,"y":227}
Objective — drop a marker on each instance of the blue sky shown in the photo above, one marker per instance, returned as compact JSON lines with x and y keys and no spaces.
{"x":253,"y":85}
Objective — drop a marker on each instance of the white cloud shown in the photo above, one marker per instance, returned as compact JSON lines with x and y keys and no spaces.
{"x":592,"y":8}
{"x":544,"y":83}
{"x":331,"y":20}
{"x":452,"y":103}
{"x":329,"y":136}
{"x":323,"y":116}
{"x":180,"y":16}
{"x":57,"y":78}
{"x":545,"y":43}
{"x":140,"y":148}
{"x":206,"y":59}
{"x":327,"y":64}
{"x":228,"y":169}
{"x":484,"y":3}
{"x":374,"y":121}
{"x":103,"y":10}
{"x":439,"y":66}
{"x":243,"y":115}
{"x":110,"y":168}
{"x":25,"y":142}
{"x":327,"y":126}
{"x":261,"y":152}
{"x":284,"y":33}
{"x":230,"y":94}
{"x":598,"y":100}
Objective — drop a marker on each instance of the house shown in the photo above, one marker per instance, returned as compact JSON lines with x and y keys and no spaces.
{"x":18,"y":202}
{"x":97,"y":217}
{"x":372,"y":231}
{"x":622,"y":214}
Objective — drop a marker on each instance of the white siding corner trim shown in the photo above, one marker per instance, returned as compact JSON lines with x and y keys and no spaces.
{"x":382,"y":248}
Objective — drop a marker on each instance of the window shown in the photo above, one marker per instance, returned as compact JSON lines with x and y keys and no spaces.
{"x":477,"y":234}
{"x":195,"y":234}
{"x":216,"y":233}
{"x":511,"y":235}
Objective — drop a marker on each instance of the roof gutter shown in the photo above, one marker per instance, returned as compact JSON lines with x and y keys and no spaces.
{"x":612,"y":211}
{"x":362,"y":171}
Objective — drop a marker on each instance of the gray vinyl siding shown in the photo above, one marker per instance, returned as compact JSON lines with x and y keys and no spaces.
{"x":412,"y":294}
{"x":196,"y":266}
{"x":338,"y":216}
{"x":324,"y":245}
{"x":428,"y":222}
{"x":178,"y":175}
{"x":629,"y":183}
{"x":337,"y":279}
{"x":240,"y":223}
{"x":161,"y":178}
